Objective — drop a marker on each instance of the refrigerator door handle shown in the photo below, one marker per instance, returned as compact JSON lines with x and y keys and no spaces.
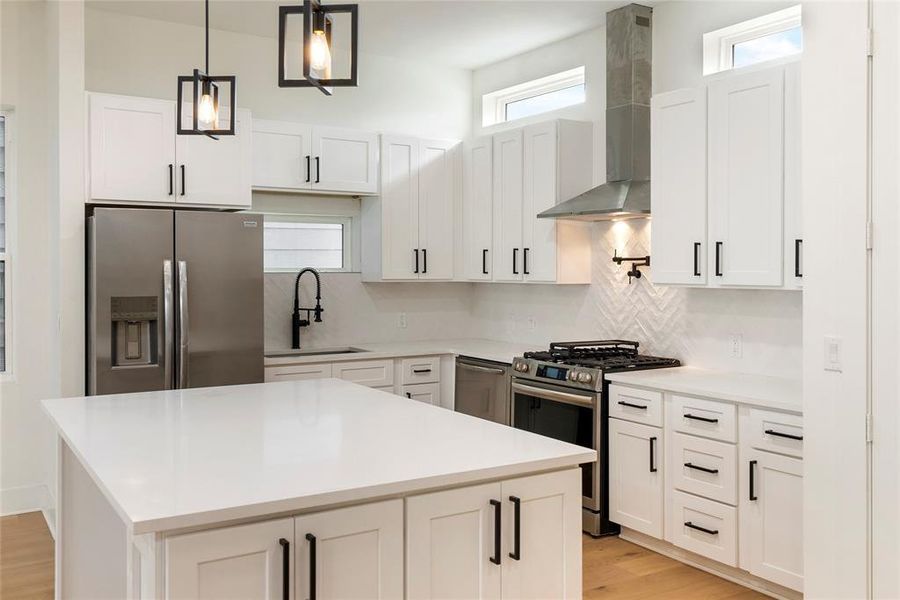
{"x":183,"y":336}
{"x":169,"y":317}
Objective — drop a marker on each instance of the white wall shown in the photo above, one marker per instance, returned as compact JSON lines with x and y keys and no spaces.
{"x":693,"y":325}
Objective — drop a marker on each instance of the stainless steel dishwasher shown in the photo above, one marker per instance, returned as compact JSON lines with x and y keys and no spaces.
{"x":482,"y":389}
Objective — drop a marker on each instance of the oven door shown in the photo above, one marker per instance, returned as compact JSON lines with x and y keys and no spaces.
{"x":564,"y":414}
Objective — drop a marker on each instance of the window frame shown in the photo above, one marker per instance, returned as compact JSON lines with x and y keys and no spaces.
{"x":6,"y":256}
{"x":718,"y":45}
{"x":494,"y":103}
{"x":346,"y":223}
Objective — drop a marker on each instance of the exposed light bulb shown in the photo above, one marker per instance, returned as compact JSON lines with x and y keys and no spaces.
{"x":206,"y":111}
{"x":319,"y":52}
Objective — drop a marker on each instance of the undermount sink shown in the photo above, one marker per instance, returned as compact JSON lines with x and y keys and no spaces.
{"x":314,"y":351}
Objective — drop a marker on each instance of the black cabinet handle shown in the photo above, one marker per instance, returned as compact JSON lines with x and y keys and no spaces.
{"x":696,"y":259}
{"x":496,"y":557}
{"x":421,"y":370}
{"x":703,"y":529}
{"x":789,"y":436}
{"x":312,"y":565}
{"x":308,"y":169}
{"x":409,"y":395}
{"x":719,"y":259}
{"x":484,"y":270}
{"x":653,"y":455}
{"x":285,"y":569}
{"x":699,"y":468}
{"x":516,"y":554}
{"x":630,"y":405}
{"x":752,"y":480}
{"x":171,"y":179}
{"x":425,"y":260}
{"x":696,"y":418}
{"x":416,"y":251}
{"x":515,"y":261}
{"x":797,"y":245}
{"x":525,"y":261}
{"x":318,"y":170}
{"x":182,"y":180}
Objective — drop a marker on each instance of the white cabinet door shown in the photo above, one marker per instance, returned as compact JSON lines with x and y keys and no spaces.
{"x":216,"y":172}
{"x":282,"y":155}
{"x":132,"y":149}
{"x":243,"y":562}
{"x":429,"y":393}
{"x":746,"y":191}
{"x":539,"y":193}
{"x":354,"y":552}
{"x":450,"y":544}
{"x":400,"y":254}
{"x":371,"y":373}
{"x":678,"y":187}
{"x":793,"y":188}
{"x":344,"y":160}
{"x":437,"y":187}
{"x":635,"y":477}
{"x":508,"y":184}
{"x":771,"y":515}
{"x":547,"y":561}
{"x":298,"y":372}
{"x":478,"y":208}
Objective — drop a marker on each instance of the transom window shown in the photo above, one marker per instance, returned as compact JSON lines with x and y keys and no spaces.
{"x":766,"y":38}
{"x":292,"y":242}
{"x":5,"y":234}
{"x":534,"y":97}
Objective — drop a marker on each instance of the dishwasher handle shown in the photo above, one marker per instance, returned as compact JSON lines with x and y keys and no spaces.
{"x":471,"y":367}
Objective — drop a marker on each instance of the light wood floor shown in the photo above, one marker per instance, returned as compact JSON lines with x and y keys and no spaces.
{"x":613,"y":568}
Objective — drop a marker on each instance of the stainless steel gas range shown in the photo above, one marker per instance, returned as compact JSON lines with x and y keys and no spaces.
{"x":562,"y":393}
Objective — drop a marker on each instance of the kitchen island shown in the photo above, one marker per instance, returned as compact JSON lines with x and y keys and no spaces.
{"x":309,"y":489}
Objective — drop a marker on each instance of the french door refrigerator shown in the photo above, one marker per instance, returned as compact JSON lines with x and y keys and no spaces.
{"x":175,"y":299}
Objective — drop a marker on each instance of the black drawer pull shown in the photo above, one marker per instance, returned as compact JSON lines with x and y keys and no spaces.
{"x":516,"y":554}
{"x":409,"y":395}
{"x":789,"y":436}
{"x":285,"y":568}
{"x":699,"y":468}
{"x":696,"y":259}
{"x":653,"y":455}
{"x":797,"y":244}
{"x":752,"y":481}
{"x":496,"y":557}
{"x":425,"y":260}
{"x":484,"y":270}
{"x":630,"y":405}
{"x":703,"y":529}
{"x":696,"y":418}
{"x":312,"y":565}
{"x":718,"y":259}
{"x":171,"y":180}
{"x":421,"y":370}
{"x":416,"y":251}
{"x":318,"y":173}
{"x":308,"y":170}
{"x":515,"y":261}
{"x":182,"y":180}
{"x":525,"y":261}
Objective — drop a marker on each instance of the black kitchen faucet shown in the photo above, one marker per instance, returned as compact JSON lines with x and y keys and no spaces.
{"x":296,"y":321}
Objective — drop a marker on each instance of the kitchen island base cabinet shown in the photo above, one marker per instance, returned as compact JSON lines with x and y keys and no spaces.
{"x":465,"y":543}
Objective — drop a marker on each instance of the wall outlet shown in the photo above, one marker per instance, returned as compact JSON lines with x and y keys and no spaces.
{"x":833,"y":351}
{"x":530,"y":324}
{"x":736,"y":345}
{"x":401,"y":322}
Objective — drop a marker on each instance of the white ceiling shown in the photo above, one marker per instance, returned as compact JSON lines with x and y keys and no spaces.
{"x":459,"y":33}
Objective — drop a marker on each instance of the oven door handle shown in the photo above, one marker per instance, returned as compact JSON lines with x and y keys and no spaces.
{"x":564,"y":397}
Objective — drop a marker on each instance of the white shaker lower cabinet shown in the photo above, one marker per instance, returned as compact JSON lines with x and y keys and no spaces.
{"x":233,"y":562}
{"x":429,"y":393}
{"x":772,"y":517}
{"x":465,"y":543}
{"x":635,"y":476}
{"x":354,"y":552}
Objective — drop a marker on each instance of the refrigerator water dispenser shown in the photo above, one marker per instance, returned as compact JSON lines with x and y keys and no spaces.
{"x":135,"y":322}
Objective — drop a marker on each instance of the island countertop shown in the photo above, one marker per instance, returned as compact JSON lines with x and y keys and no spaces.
{"x":184,"y":458}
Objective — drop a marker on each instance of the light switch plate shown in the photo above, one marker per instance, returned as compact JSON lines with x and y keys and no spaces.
{"x":402,"y":322}
{"x":833,"y":353}
{"x":736,"y":345}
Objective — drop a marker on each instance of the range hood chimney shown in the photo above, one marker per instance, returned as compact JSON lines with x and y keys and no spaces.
{"x":626,"y":192}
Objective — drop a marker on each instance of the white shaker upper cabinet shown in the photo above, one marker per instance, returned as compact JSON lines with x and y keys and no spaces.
{"x":793,"y":189}
{"x":438,"y":181}
{"x":539,"y":192}
{"x":678,"y":184}
{"x":344,"y":160}
{"x":508,"y":206}
{"x":132,"y":149}
{"x":399,"y":204}
{"x":478,"y":196}
{"x":746,"y":179}
{"x":282,"y":155}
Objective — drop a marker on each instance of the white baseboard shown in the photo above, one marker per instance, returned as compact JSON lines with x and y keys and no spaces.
{"x":33,"y":498}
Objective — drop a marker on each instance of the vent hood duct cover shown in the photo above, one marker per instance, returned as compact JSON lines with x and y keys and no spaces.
{"x":628,"y":84}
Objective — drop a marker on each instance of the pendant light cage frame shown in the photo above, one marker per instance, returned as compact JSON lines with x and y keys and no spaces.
{"x":316,"y":14}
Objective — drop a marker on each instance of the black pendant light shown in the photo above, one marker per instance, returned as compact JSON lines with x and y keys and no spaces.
{"x":212,"y":100}
{"x":316,"y":48}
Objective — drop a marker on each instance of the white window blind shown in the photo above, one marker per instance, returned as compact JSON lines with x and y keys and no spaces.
{"x":292,"y":242}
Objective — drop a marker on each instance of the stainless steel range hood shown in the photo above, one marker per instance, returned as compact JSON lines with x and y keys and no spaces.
{"x":626,"y":192}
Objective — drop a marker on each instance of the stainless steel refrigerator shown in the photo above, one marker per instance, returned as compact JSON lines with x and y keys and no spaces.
{"x":175,"y":299}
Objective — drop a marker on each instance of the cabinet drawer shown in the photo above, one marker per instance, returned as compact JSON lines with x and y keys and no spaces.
{"x":773,"y":431}
{"x":373,"y":373}
{"x":298,"y":372}
{"x":704,"y":467}
{"x":422,"y":369}
{"x":706,"y":418}
{"x":634,"y":404}
{"x":429,"y":393}
{"x":704,"y":527}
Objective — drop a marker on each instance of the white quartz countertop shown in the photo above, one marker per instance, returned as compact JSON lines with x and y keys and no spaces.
{"x":502,"y":352}
{"x":756,"y":390}
{"x":184,"y":458}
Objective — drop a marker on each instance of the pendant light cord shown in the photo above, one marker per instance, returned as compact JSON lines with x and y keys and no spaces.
{"x":207,"y":36}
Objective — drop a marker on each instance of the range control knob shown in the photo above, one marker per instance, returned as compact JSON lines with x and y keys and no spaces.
{"x":521,"y":367}
{"x":585,"y":377}
{"x":573,"y":376}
